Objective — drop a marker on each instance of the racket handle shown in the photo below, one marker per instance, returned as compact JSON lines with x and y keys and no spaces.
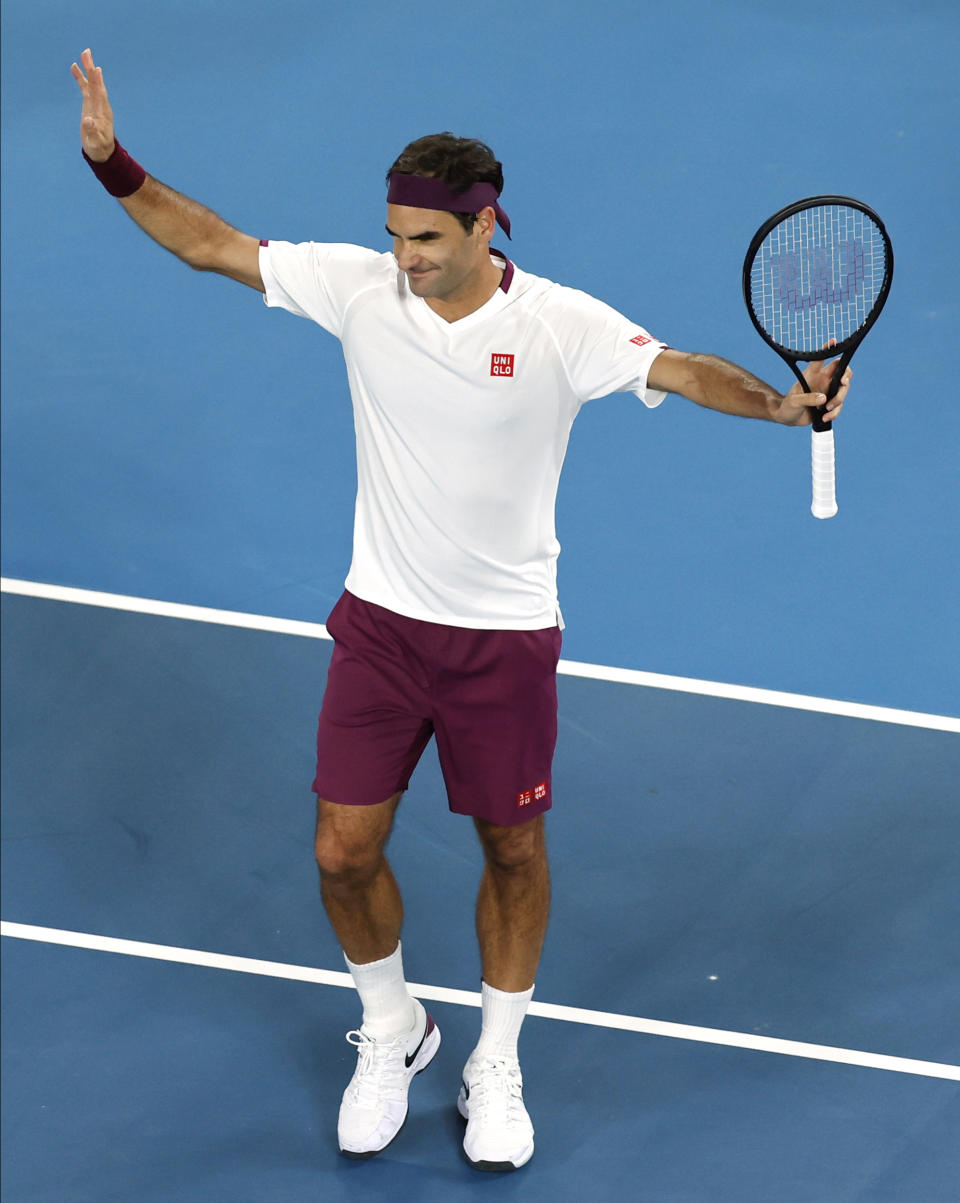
{"x":824,"y":477}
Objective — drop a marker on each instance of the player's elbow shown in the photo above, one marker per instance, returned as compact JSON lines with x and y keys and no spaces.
{"x":200,"y":257}
{"x":234,"y":255}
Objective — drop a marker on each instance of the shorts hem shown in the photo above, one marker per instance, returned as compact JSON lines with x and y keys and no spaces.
{"x":511,"y":819}
{"x":349,"y":798}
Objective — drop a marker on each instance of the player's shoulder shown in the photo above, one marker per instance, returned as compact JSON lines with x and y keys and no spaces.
{"x":556,"y":302}
{"x":334,"y":256}
{"x":349,"y":252}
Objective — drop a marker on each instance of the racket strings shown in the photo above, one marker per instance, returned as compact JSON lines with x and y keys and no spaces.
{"x":816,"y":277}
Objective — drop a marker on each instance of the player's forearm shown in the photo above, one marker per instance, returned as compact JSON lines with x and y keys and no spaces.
{"x":184,"y":227}
{"x":717,"y":384}
{"x":189,"y":230}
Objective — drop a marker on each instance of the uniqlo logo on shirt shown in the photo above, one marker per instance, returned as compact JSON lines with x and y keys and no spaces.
{"x":501,"y":365}
{"x":537,"y":794}
{"x":641,"y":340}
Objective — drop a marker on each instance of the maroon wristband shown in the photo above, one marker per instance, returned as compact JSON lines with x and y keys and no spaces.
{"x":120,"y":175}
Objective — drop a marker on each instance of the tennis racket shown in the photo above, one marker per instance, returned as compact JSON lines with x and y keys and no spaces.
{"x":816,"y":276}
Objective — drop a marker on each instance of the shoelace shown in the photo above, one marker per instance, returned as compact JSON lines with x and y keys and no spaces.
{"x":379,"y":1068}
{"x":496,"y":1092}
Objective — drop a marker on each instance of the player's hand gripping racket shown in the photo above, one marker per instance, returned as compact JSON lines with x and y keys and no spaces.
{"x":815,"y":278}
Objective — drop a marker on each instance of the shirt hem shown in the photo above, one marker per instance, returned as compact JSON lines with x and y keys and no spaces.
{"x":547,"y":620}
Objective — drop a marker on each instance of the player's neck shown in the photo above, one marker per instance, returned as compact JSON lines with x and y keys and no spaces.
{"x":474,"y":294}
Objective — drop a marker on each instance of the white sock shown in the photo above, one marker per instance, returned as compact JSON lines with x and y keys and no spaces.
{"x":388,"y":1009}
{"x":500,"y":1026}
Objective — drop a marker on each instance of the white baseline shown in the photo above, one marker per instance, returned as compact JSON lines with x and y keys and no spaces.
{"x":467,"y":998}
{"x":570,"y":668}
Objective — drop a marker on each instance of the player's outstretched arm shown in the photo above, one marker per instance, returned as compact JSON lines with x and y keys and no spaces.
{"x":718,"y":384}
{"x":190,"y":231}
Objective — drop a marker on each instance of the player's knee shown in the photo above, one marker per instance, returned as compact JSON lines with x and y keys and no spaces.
{"x":513,"y":848}
{"x":347,"y":852}
{"x":340,"y":858}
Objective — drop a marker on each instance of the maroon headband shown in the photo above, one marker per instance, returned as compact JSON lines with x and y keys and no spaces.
{"x":427,"y":192}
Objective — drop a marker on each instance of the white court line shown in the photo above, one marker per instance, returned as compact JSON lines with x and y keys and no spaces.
{"x":162,"y":609}
{"x":467,"y":998}
{"x":570,"y":668}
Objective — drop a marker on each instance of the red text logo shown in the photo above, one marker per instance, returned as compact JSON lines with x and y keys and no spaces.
{"x":537,"y":794}
{"x":641,"y":340}
{"x":501,"y":365}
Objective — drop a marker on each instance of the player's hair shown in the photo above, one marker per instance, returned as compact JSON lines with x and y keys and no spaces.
{"x":459,"y":162}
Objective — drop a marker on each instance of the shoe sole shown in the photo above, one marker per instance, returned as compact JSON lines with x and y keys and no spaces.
{"x":496,"y":1167}
{"x":428,"y":1050}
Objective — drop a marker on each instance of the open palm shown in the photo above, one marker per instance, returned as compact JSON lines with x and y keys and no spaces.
{"x":96,"y":118}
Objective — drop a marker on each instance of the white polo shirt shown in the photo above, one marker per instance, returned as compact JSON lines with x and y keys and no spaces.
{"x":462,"y":427}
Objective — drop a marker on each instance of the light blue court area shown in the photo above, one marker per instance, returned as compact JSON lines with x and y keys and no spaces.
{"x":754,"y":870}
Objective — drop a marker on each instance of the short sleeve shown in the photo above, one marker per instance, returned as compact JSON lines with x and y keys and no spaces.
{"x":603,"y":351}
{"x":318,"y":280}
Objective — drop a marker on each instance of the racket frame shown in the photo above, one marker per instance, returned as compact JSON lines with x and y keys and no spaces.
{"x":847,"y":346}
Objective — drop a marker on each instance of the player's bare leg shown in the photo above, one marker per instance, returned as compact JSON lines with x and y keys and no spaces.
{"x":398,"y":1038}
{"x":359,"y":892}
{"x":513,"y":903}
{"x":513,"y":906}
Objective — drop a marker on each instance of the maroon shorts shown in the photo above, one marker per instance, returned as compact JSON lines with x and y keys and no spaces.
{"x":489,"y":696}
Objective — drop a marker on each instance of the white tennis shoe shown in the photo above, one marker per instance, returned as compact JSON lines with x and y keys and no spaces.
{"x":499,"y":1133}
{"x":374,"y":1106}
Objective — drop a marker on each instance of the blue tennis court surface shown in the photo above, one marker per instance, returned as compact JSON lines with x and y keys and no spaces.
{"x":763,"y":872}
{"x":157,"y":790}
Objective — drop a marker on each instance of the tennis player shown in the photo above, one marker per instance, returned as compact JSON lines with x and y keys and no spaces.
{"x":466,"y":374}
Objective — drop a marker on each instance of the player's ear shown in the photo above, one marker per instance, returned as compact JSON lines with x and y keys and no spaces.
{"x":486,"y":223}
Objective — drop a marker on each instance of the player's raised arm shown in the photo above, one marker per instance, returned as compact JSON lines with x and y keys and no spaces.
{"x":190,"y":231}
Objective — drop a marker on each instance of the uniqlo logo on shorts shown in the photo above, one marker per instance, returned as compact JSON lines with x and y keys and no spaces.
{"x":641,"y":340}
{"x":501,"y":365}
{"x":537,"y":794}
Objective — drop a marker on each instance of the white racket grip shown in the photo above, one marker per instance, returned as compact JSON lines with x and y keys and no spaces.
{"x":824,"y":476}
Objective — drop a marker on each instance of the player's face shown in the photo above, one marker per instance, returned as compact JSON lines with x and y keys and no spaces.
{"x":441,"y":260}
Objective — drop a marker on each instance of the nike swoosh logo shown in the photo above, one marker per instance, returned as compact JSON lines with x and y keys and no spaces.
{"x":466,"y":1090}
{"x":411,"y":1057}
